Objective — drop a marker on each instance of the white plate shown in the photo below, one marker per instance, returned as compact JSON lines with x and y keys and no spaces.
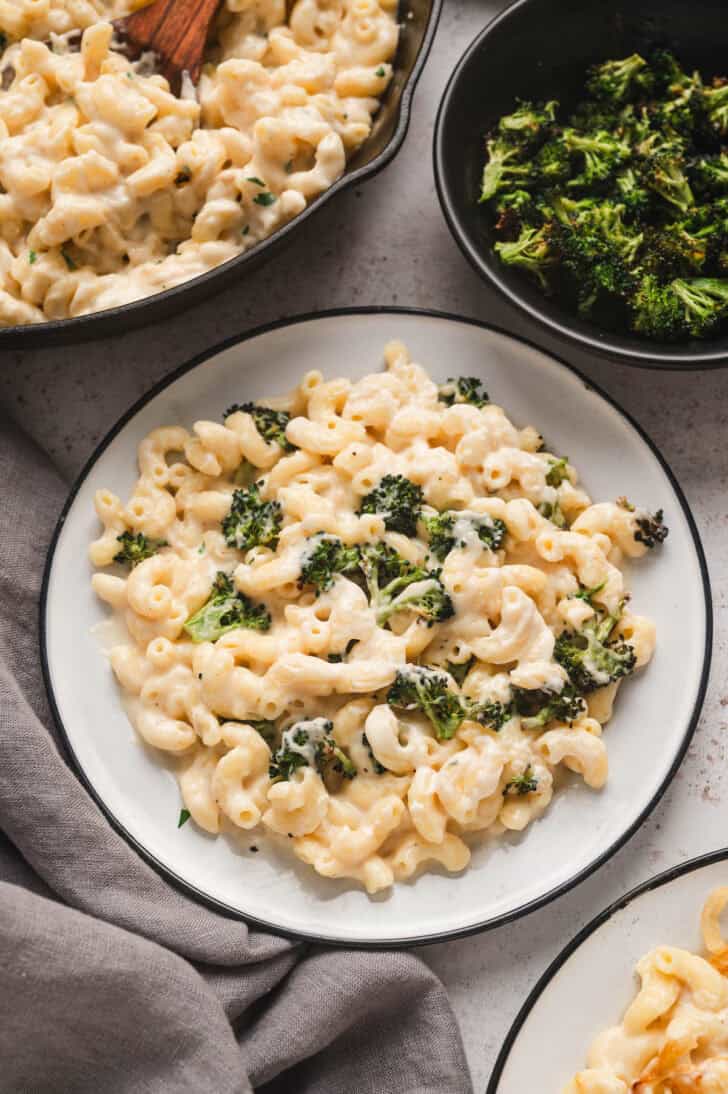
{"x":592,"y":981}
{"x":656,"y":712}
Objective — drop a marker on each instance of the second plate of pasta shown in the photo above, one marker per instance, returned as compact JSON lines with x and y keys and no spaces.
{"x":362,"y":627}
{"x":641,"y":995}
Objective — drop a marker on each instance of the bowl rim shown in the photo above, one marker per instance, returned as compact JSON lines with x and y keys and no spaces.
{"x":651,"y":883}
{"x":369,"y":944}
{"x":658,"y":358}
{"x":105,"y":323}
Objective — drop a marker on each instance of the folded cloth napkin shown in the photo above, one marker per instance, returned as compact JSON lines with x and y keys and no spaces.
{"x":111,"y":980}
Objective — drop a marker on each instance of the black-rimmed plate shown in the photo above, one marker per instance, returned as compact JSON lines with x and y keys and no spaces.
{"x":591,"y":983}
{"x":655,"y":716}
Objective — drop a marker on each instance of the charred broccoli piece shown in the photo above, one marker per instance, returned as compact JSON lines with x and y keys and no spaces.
{"x":537,"y":708}
{"x":504,"y":169}
{"x":493,"y":714}
{"x":602,"y":153}
{"x":558,"y":472}
{"x":656,"y":311}
{"x":377,"y":768}
{"x":651,"y":528}
{"x":463,"y":389}
{"x":715,"y":105}
{"x":398,"y":500}
{"x":528,"y":123}
{"x":271,"y":424}
{"x":324,"y":558}
{"x":452,"y":529}
{"x":588,"y":656}
{"x":616,"y":81}
{"x":136,"y":547}
{"x":396,"y":585}
{"x":532,"y":252}
{"x":226,"y":610}
{"x":310,"y":743}
{"x":705,"y":303}
{"x":428,"y":690}
{"x":251,"y":521}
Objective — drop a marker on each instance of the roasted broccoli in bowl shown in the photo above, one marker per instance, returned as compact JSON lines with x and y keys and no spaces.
{"x":617,"y":207}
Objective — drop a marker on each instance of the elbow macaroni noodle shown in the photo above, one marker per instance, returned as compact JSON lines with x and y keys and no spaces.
{"x":673,"y":1038}
{"x":414,"y":799}
{"x":112,"y":188}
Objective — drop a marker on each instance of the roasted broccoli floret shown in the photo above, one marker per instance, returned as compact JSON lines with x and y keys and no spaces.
{"x":451,"y":529}
{"x":271,"y":424}
{"x":528,"y":123}
{"x":135,"y":547}
{"x":503,"y":169}
{"x":634,"y":197}
{"x":463,"y":389}
{"x":515,"y":209}
{"x":396,"y":585}
{"x":558,"y":472}
{"x":588,"y":656}
{"x":225,"y":610}
{"x":525,"y":783}
{"x":715,"y":105}
{"x":532,"y":252}
{"x":663,"y":170}
{"x":602,"y":154}
{"x":616,"y":81}
{"x":398,"y":500}
{"x":537,"y":708}
{"x":428,"y":690}
{"x":651,"y":528}
{"x":310,"y":743}
{"x":326,"y":556}
{"x":705,"y":302}
{"x":251,"y":521}
{"x":493,"y":715}
{"x":656,"y":311}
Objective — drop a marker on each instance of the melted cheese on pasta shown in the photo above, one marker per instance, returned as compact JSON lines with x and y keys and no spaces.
{"x":673,"y":1038}
{"x":415,"y":798}
{"x":112,"y":188}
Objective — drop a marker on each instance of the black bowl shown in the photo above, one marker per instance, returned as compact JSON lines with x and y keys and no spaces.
{"x":539,"y":49}
{"x":418,"y":20}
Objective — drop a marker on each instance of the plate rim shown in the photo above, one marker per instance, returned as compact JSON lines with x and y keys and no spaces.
{"x":665,"y":877}
{"x":188,"y":888}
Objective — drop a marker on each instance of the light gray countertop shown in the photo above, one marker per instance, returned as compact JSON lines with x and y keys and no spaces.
{"x":387,"y":243}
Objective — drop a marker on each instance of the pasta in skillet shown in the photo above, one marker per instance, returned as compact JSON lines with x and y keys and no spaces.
{"x":673,"y":1038}
{"x":112,"y":188}
{"x":374,"y":617}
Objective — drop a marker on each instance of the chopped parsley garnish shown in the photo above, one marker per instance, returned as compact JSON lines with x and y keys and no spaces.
{"x":246,"y":229}
{"x":265,"y":199}
{"x":32,"y":257}
{"x":68,"y":260}
{"x":183,"y":175}
{"x":258,"y":182}
{"x":184,"y":816}
{"x":381,"y":72}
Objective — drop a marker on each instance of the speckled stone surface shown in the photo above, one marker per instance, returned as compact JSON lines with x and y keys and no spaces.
{"x":387,"y":243}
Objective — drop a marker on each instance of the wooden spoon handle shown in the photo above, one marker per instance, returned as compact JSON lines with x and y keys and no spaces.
{"x":176,"y":30}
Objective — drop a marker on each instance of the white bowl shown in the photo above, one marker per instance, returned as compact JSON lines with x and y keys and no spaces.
{"x":655,"y":715}
{"x":592,"y":982}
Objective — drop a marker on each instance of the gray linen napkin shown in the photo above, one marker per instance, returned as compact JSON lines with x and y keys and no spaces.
{"x":110,"y":979}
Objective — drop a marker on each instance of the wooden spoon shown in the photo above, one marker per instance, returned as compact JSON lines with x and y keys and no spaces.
{"x":175,"y":30}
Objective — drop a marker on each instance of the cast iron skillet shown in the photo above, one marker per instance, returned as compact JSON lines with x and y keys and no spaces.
{"x":539,"y":49}
{"x":418,"y":20}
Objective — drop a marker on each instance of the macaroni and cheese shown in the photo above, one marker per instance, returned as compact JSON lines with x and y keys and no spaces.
{"x":673,"y":1038}
{"x":374,"y":617}
{"x":112,"y":188}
